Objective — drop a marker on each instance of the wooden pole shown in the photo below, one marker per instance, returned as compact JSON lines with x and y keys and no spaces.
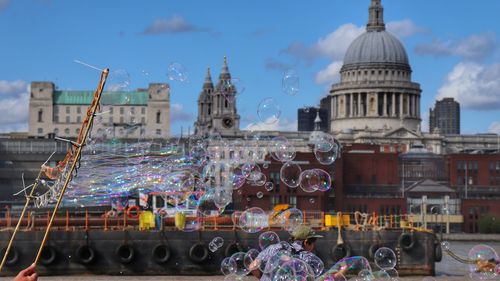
{"x":95,"y":105}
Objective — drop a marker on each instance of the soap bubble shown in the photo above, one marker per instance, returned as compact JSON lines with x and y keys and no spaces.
{"x":253,"y":220}
{"x":290,"y":83}
{"x":486,"y":259}
{"x":311,"y":200}
{"x":250,"y":256}
{"x":290,"y":219}
{"x":314,"y":262}
{"x":177,"y":72}
{"x":294,"y":269}
{"x":381,"y":275}
{"x":218,"y":241}
{"x":119,"y":80}
{"x":385,"y":258}
{"x":269,"y":186}
{"x":212,"y":247}
{"x":281,"y":149}
{"x":328,"y":157}
{"x":445,"y":245}
{"x":228,"y":266}
{"x":232,"y":88}
{"x":290,"y":174}
{"x":269,"y":111}
{"x":239,"y":259}
{"x":268,"y":238}
{"x":192,"y":222}
{"x":260,"y":194}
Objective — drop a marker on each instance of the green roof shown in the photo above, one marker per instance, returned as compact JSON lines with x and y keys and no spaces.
{"x":107,"y":98}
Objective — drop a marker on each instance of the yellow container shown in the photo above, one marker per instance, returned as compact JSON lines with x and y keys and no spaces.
{"x":146,"y":220}
{"x":331,"y":220}
{"x":180,"y":220}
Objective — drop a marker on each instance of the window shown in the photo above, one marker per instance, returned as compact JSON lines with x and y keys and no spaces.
{"x":158,"y":132}
{"x":225,"y":103}
{"x":122,"y":110}
{"x":121,"y":119}
{"x":143,"y":120}
{"x":66,"y":131}
{"x":56,"y":118}
{"x":56,"y":131}
{"x":143,"y":110}
{"x":78,"y":110}
{"x":67,"y":109}
{"x":158,"y":117}
{"x":132,"y":110}
{"x":40,"y":115}
{"x":56,"y":109}
{"x":67,"y":119}
{"x":111,"y":110}
{"x":40,"y":131}
{"x":78,"y":119}
{"x":110,"y":120}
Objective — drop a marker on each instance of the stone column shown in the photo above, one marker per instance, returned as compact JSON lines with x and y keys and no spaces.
{"x":400,"y":104}
{"x":418,"y":106}
{"x":393,"y":105}
{"x":351,"y":105}
{"x":360,"y":110}
{"x":385,"y":109}
{"x":376,"y":104}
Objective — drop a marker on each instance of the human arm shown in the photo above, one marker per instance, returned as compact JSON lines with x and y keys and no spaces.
{"x":28,"y":274}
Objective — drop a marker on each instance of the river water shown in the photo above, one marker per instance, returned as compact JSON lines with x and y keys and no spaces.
{"x":446,"y":270}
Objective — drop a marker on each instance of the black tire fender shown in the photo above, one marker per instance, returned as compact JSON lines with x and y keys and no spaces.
{"x":198,"y":253}
{"x":406,"y":241}
{"x":86,"y":254}
{"x":161,"y":253}
{"x":438,"y":252}
{"x":371,"y":251}
{"x":13,"y":256}
{"x":340,"y":251}
{"x":125,"y":253}
{"x":48,"y":256}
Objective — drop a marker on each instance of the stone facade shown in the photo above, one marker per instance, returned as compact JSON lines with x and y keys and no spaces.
{"x":145,"y":112}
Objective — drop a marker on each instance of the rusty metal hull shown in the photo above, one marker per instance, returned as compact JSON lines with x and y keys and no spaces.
{"x":419,"y":260}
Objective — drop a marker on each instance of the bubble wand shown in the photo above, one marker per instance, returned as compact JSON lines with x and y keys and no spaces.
{"x":73,"y":154}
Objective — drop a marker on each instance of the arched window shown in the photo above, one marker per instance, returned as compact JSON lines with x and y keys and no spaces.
{"x":225,"y":103}
{"x":40,"y":115}
{"x":158,"y":117}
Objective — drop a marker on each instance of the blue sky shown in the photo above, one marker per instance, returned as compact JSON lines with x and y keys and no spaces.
{"x":452,"y":45}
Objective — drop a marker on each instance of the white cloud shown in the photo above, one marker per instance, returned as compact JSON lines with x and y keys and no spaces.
{"x":495,"y":127}
{"x":335,"y":44}
{"x":279,"y":125}
{"x":474,"y":85}
{"x":177,"y":113}
{"x":330,"y":74}
{"x":175,"y":24}
{"x":475,"y":46}
{"x":8,"y":88}
{"x":404,"y":28}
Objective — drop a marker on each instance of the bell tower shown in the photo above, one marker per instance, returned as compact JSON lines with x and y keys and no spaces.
{"x":203,"y":123}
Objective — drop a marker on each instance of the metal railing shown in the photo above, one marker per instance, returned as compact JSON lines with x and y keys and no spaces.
{"x":32,"y":146}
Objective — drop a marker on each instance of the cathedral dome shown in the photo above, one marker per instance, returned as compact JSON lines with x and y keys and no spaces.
{"x":376,"y":47}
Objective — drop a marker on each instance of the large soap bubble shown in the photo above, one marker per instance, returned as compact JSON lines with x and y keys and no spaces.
{"x":385,"y":258}
{"x":228,"y":266}
{"x":269,"y":111}
{"x":290,"y":174}
{"x":485,"y":260}
{"x":250,"y":257}
{"x":177,"y":72}
{"x":239,"y":259}
{"x":290,"y":219}
{"x":253,"y":220}
{"x":290,"y":82}
{"x":268,"y":238}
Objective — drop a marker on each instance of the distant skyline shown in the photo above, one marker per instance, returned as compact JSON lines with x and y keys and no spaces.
{"x":452,"y":45}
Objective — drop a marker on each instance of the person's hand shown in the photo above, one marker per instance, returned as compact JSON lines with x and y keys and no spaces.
{"x":28,"y":274}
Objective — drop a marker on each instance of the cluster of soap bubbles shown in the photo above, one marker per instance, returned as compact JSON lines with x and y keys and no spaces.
{"x":483,"y":261}
{"x":384,"y":258}
{"x":278,"y":260}
{"x":195,"y":175}
{"x":215,"y":244}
